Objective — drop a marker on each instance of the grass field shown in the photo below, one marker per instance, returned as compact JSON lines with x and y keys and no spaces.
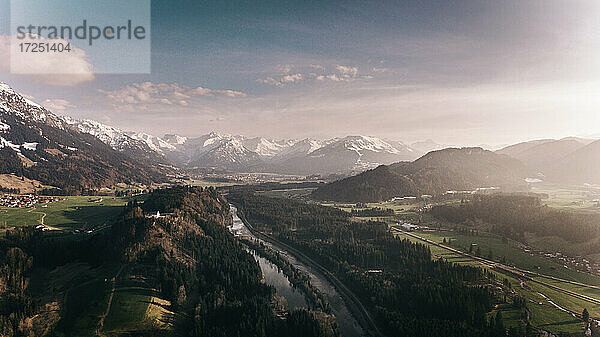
{"x":513,"y":255}
{"x":74,"y":211}
{"x":136,"y":306}
{"x":543,"y":314}
{"x":580,"y":198}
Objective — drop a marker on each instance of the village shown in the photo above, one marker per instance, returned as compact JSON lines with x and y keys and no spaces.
{"x":25,"y":200}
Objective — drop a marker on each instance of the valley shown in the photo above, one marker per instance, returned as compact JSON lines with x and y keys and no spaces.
{"x":347,"y":236}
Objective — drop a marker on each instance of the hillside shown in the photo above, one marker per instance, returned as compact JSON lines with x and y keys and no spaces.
{"x":578,"y":167}
{"x":434,"y":173}
{"x":542,"y":154}
{"x":182,"y":274}
{"x":39,"y":145}
{"x":519,"y":148}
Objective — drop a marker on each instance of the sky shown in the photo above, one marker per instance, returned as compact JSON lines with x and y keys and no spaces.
{"x":458,"y":72}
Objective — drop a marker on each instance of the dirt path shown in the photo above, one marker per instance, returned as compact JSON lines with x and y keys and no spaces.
{"x":98,"y":331}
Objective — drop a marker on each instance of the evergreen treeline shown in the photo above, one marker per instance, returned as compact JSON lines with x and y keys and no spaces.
{"x":434,"y":173}
{"x":512,"y":215}
{"x":410,"y":294}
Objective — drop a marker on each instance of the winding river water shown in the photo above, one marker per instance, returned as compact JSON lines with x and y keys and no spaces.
{"x":349,"y":327}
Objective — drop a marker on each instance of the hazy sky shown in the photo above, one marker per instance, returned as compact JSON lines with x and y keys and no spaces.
{"x":459,"y":72}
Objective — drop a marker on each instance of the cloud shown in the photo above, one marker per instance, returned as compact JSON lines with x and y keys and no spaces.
{"x":57,"y":104}
{"x":141,"y":95}
{"x":284,"y":68}
{"x":342,"y":73}
{"x":282,"y":80}
{"x":53,"y":68}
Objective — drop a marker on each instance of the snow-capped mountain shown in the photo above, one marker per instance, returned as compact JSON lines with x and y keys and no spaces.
{"x":174,"y":139}
{"x":220,"y":151}
{"x":154,"y":143}
{"x":267,"y":147}
{"x":139,"y":145}
{"x":305,"y":156}
{"x":300,"y":148}
{"x":351,"y":154}
{"x":40,"y":145}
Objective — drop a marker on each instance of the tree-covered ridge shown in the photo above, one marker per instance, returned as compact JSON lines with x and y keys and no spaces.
{"x":410,"y":294}
{"x":434,"y":173}
{"x":514,"y":215}
{"x":213,"y":284}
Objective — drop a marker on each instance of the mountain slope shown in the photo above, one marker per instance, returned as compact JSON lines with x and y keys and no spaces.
{"x":39,"y":145}
{"x":349,"y":154}
{"x":581,"y":166}
{"x":434,"y":173}
{"x":517,"y":149}
{"x":137,"y":145}
{"x":541,"y":154}
{"x":427,"y":146}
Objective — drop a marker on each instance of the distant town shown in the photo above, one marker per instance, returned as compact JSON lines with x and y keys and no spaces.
{"x":25,"y":200}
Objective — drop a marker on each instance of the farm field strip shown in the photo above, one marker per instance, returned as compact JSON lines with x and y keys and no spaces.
{"x":520,"y":273}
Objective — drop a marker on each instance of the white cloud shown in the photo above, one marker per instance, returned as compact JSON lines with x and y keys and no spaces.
{"x":54,"y":68}
{"x":316,"y":72}
{"x":284,"y":68}
{"x":57,"y":104}
{"x":141,"y":95}
{"x":282,"y":80}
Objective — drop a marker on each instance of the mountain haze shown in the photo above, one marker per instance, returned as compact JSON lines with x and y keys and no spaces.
{"x":434,"y":173}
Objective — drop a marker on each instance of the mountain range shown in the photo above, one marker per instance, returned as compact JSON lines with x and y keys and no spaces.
{"x":85,"y":154}
{"x":37,"y":144}
{"x":570,"y":160}
{"x":234,"y":153}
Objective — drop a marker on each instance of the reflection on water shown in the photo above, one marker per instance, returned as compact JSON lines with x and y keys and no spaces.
{"x":276,"y":278}
{"x":349,"y":327}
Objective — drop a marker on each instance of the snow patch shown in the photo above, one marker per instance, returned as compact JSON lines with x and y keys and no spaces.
{"x":30,"y":146}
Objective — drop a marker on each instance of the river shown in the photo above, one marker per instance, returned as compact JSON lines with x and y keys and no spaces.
{"x":349,"y":327}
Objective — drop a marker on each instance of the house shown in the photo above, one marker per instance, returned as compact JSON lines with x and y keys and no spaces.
{"x":409,"y":227}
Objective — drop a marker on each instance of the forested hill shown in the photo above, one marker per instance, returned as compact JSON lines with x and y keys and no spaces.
{"x":198,"y":277}
{"x":434,"y":173}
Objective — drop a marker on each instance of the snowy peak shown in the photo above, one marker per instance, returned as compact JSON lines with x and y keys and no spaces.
{"x":13,"y":103}
{"x":366,"y":144}
{"x":373,"y":144}
{"x":156,"y":144}
{"x":174,"y":140}
{"x":6,"y":88}
{"x":267,"y":147}
{"x":43,"y":146}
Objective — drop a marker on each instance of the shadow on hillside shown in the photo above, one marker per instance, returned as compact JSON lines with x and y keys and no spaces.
{"x":91,"y":216}
{"x":562,"y":323}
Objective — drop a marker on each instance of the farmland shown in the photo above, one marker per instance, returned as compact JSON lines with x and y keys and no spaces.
{"x":543,"y":301}
{"x":72,"y":212}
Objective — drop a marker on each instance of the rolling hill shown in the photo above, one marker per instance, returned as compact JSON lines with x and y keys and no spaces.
{"x":580,"y":167}
{"x":434,"y":173}
{"x":544,"y":153}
